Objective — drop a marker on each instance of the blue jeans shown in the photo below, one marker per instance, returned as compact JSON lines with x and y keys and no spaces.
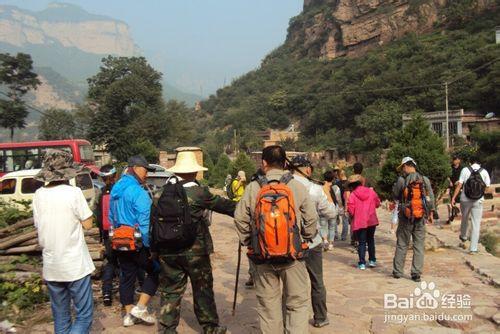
{"x":61,"y":295}
{"x":327,"y":228}
{"x":366,"y":237}
{"x":344,"y":220}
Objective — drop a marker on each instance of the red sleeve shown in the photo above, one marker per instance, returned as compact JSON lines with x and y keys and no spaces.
{"x":351,"y":205}
{"x":376,"y":199}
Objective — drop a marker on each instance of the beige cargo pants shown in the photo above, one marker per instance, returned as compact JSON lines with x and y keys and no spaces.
{"x":296,"y":292}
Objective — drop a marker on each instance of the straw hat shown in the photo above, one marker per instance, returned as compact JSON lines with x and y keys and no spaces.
{"x":186,"y":163}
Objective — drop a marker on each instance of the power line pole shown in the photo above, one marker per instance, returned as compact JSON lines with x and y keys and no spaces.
{"x":447,"y":118}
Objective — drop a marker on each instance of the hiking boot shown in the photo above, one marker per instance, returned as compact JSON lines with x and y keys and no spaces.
{"x":361,"y":266}
{"x":128,"y":320}
{"x":472,"y":252}
{"x":415,"y":278}
{"x":143,"y":314}
{"x":107,"y":299}
{"x":249,"y":284}
{"x":325,"y":245}
{"x":330,"y":246}
{"x":372,"y":264}
{"x":319,"y":324}
{"x":396,"y":276}
{"x":215,"y":330}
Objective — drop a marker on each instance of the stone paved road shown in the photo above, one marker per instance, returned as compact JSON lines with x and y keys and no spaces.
{"x":355,"y":298}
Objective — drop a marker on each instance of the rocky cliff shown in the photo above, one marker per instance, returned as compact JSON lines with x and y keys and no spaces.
{"x":331,"y":28}
{"x":66,"y":25}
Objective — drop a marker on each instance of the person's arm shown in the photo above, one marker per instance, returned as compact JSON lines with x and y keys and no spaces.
{"x":460,"y":183}
{"x":82,"y":210}
{"x":398,"y":189}
{"x":325,"y":208}
{"x":87,"y":223}
{"x":242,"y":216}
{"x":338,"y":196}
{"x":310,"y":219}
{"x":432,"y":200}
{"x":216,"y":203}
{"x":142,"y":208}
{"x":351,"y":206}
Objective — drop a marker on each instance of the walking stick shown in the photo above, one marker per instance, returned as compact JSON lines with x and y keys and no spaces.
{"x":237,"y":278}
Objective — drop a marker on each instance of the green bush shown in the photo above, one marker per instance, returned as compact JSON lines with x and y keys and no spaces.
{"x":418,"y":141}
{"x":24,"y":295}
{"x":10,"y":213}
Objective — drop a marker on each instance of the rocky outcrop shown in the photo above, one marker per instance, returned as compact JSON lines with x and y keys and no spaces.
{"x":331,"y":28}
{"x":67,"y":25}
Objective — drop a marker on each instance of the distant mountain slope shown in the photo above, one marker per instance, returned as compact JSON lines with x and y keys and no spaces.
{"x":67,"y":44}
{"x":344,"y":102}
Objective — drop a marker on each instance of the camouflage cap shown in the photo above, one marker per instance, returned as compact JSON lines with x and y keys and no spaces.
{"x":58,"y":165}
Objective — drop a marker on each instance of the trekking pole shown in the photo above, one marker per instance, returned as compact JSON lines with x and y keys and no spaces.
{"x":237,"y":278}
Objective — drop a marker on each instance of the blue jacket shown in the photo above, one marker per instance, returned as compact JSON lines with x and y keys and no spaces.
{"x":130,"y":205}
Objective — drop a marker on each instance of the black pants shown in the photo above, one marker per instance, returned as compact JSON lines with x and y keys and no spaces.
{"x":314,"y":264}
{"x":131,"y":263}
{"x":366,"y":236}
{"x":110,"y":268}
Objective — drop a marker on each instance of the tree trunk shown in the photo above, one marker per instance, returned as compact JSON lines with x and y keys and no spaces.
{"x":4,"y":244}
{"x":16,"y":227}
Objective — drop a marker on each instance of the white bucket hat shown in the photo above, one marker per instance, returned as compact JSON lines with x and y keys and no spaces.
{"x":406,"y":160}
{"x":186,"y":163}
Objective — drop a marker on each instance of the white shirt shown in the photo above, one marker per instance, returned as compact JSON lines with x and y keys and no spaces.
{"x":324,"y":208}
{"x":464,"y":176}
{"x":58,"y":212}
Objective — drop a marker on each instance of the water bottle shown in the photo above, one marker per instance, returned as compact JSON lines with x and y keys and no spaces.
{"x":111,"y":232}
{"x":138,"y":236}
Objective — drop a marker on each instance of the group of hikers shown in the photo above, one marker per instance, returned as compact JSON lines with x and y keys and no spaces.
{"x":284,"y":217}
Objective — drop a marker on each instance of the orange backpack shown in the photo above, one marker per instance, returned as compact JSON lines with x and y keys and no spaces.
{"x":275,"y":233}
{"x":414,"y":201}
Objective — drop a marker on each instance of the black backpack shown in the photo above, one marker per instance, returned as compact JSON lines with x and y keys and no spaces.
{"x":172,"y":229}
{"x":474,"y":187}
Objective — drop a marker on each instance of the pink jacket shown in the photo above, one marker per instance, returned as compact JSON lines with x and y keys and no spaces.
{"x":362,"y":204}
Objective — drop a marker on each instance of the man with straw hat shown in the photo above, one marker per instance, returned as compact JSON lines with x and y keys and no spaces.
{"x":60,"y":213}
{"x":193,"y":262}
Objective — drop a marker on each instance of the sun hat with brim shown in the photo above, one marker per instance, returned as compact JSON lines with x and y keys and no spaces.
{"x":58,"y":165}
{"x":405,"y":161}
{"x":355,"y":178}
{"x":186,"y":163}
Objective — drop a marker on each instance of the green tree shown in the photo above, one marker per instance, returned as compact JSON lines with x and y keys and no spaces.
{"x":130,"y":112}
{"x":222,"y":168}
{"x":245,"y":163}
{"x":56,"y":124}
{"x":418,"y":141}
{"x":488,"y":148}
{"x":16,"y":74}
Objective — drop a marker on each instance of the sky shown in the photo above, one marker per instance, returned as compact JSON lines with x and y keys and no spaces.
{"x":198,"y":45}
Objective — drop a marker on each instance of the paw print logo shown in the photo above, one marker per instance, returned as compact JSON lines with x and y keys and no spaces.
{"x":426,"y":296}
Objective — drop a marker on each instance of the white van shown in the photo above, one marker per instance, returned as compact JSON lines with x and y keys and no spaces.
{"x":21,"y":186}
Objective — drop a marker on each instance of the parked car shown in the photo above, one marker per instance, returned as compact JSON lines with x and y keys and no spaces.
{"x":21,"y":186}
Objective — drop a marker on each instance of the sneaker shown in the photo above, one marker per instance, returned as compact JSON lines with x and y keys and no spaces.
{"x":319,"y":324}
{"x":396,"y":276}
{"x":330,"y":246}
{"x":372,"y":264}
{"x":472,"y":252}
{"x":143,"y":314}
{"x":107,"y":299}
{"x":361,"y":266}
{"x":325,"y":245}
{"x":415,"y":278}
{"x":128,"y":320}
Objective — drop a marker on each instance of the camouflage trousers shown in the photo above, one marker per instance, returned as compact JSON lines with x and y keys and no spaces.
{"x":173,"y":283}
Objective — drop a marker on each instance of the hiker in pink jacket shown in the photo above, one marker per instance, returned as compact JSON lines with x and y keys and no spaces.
{"x":362,"y":205}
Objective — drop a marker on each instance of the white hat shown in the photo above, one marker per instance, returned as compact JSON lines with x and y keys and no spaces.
{"x":406,"y":160}
{"x":186,"y":163}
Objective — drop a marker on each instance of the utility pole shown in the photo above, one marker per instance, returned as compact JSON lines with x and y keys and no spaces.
{"x":447,"y":118}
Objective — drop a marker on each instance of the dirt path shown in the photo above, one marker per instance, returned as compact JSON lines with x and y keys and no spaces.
{"x":355,"y":298}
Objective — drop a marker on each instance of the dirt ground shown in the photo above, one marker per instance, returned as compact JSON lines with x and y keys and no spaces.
{"x":355,"y":298}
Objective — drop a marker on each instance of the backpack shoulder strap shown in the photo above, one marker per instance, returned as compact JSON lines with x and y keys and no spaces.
{"x":286,"y":178}
{"x":262,"y":181}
